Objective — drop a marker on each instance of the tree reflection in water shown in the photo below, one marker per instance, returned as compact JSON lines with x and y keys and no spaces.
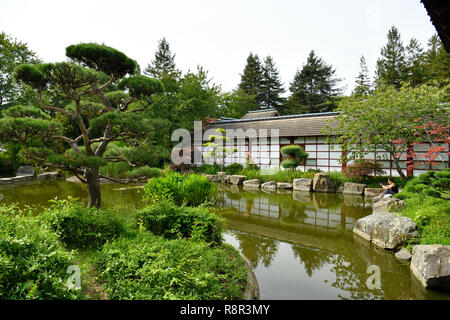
{"x":257,"y":249}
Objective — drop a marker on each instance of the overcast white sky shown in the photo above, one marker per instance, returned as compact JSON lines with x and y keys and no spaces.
{"x":219,"y":35}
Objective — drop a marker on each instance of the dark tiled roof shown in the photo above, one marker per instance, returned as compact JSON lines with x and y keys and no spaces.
{"x":260,"y":114}
{"x":439,"y":12}
{"x":289,"y":126}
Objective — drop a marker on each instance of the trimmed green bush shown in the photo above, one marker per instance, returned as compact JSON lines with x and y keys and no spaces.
{"x":171,"y":221}
{"x":82,"y":227}
{"x":296,"y":155}
{"x":188,"y":189}
{"x":154,"y":268}
{"x":145,"y":172}
{"x":33,"y":263}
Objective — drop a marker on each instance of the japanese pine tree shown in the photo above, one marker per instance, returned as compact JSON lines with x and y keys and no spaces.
{"x":105,"y":100}
{"x":295,"y":156}
{"x":271,"y":85}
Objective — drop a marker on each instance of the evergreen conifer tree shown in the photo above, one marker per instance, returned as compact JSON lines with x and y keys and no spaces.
{"x":252,"y":77}
{"x":271,"y":86}
{"x":164,"y":62}
{"x":362,"y":80}
{"x":314,"y":87}
{"x":391,"y":66}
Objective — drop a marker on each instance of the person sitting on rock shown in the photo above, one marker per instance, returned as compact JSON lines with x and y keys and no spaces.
{"x":390,"y":189}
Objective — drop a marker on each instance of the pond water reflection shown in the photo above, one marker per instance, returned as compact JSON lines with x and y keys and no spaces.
{"x":302,"y":247}
{"x":300,"y":244}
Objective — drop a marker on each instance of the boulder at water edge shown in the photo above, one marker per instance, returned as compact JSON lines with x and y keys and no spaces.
{"x":269,"y":186}
{"x":302,"y":184}
{"x":25,"y":171}
{"x":323,"y":183}
{"x":237,"y":179}
{"x":385,"y":229}
{"x":387,"y":205}
{"x":252,"y":184}
{"x":212,"y":177}
{"x":430,"y":264}
{"x":354,"y":188}
{"x":373,"y":192}
{"x":284,"y":185}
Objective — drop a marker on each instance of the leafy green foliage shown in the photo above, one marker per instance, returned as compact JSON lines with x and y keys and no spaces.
{"x":102,"y":58}
{"x":20,"y":111}
{"x":154,"y":268}
{"x":339,"y":178}
{"x":82,"y":227}
{"x":192,"y":190}
{"x":145,"y":172}
{"x":386,"y":120}
{"x":32,"y":262}
{"x":171,"y":221}
{"x":12,"y":54}
{"x":234,"y":168}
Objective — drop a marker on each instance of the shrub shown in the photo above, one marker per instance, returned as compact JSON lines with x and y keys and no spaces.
{"x":338,"y":178}
{"x":189,"y":189}
{"x":171,"y":221}
{"x":360,"y":170}
{"x":234,"y":168}
{"x":153,"y":268}
{"x":309,"y":174}
{"x":296,"y":155}
{"x":431,"y":183}
{"x":251,"y":174}
{"x":33,"y":263}
{"x":82,"y":227}
{"x":115,"y":169}
{"x":210,"y":168}
{"x":144,"y":172}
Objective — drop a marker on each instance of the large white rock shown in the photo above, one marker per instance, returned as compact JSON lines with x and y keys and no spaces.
{"x":212,"y":177}
{"x":354,"y":188}
{"x":385,"y":229}
{"x":303,"y":184}
{"x":430,"y":264}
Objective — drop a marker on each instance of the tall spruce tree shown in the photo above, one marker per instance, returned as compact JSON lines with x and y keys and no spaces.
{"x":362,"y":80}
{"x":414,"y":63}
{"x":391,"y":66}
{"x":271,"y":85}
{"x":164,"y":62}
{"x":252,"y":77}
{"x":437,"y":62}
{"x":314,"y":87}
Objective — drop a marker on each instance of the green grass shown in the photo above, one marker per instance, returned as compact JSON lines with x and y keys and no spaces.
{"x":154,"y":268}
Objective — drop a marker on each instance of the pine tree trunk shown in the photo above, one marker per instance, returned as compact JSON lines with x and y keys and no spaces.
{"x":93,"y":184}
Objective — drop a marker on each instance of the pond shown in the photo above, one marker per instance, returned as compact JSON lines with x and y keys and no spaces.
{"x":300,"y":244}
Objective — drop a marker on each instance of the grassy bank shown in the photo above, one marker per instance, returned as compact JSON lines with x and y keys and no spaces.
{"x":164,"y":251}
{"x":428,"y":205}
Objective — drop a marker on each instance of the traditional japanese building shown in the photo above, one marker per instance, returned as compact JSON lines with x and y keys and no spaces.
{"x":305,"y":130}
